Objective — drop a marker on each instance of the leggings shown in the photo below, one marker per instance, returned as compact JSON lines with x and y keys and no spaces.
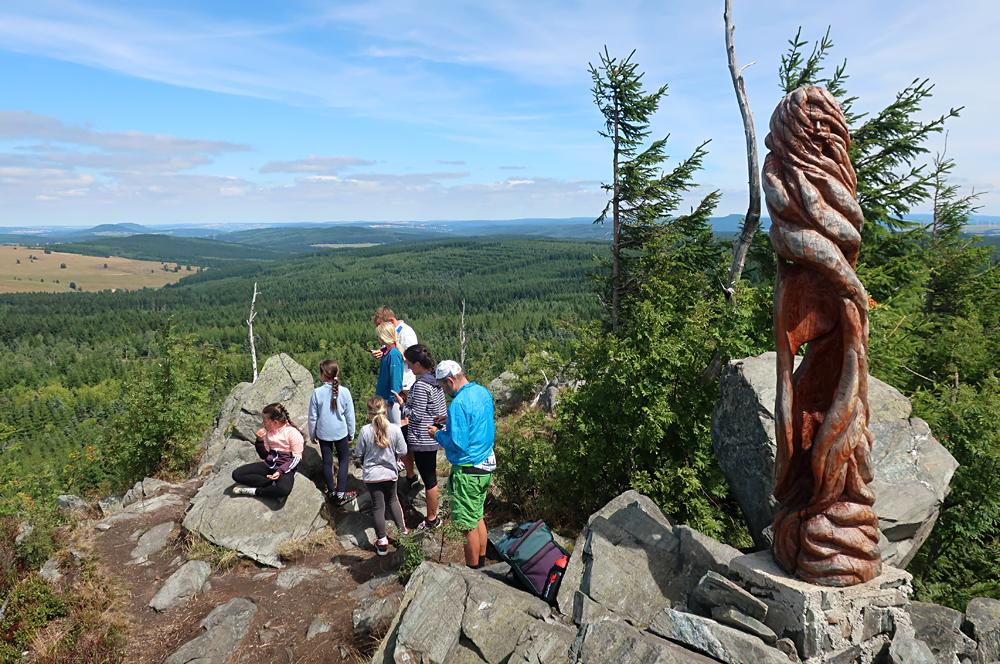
{"x":385,"y":493}
{"x":343,"y":458}
{"x":255,"y":475}
{"x":427,"y":467}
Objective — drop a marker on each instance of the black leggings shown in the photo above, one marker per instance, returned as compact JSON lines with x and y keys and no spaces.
{"x":255,"y":475}
{"x":427,"y":467}
{"x":385,"y":493}
{"x":343,"y":459}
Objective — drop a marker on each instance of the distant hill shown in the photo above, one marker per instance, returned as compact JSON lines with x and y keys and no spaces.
{"x":323,"y":238}
{"x":187,"y":251}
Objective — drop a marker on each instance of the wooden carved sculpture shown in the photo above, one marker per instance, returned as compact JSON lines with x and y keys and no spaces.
{"x":825,"y":529}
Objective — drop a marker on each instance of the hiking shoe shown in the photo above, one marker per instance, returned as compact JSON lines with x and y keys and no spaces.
{"x":414,"y":483}
{"x":429,"y":525}
{"x":382,"y":548}
{"x":244,"y":491}
{"x":348,"y":498}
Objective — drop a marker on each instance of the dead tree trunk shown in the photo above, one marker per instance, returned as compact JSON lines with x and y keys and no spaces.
{"x":250,"y":319}
{"x":752,"y":221}
{"x":461,"y":337}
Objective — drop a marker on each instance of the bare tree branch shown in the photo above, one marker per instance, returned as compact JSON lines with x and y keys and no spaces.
{"x":253,"y":315}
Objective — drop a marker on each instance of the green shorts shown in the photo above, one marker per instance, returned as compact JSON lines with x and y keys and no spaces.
{"x":468,"y":494}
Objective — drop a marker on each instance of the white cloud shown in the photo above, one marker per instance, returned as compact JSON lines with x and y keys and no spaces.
{"x":313,"y":164}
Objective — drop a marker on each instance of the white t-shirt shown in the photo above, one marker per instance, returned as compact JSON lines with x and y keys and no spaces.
{"x":407,"y":337}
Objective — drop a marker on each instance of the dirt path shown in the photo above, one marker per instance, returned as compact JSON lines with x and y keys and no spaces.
{"x":337,"y":582}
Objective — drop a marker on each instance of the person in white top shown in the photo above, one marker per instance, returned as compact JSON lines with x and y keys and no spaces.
{"x":404,"y":334}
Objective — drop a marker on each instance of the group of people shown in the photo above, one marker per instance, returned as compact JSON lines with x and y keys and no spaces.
{"x":408,"y":422}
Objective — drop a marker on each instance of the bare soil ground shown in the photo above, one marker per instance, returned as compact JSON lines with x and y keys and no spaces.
{"x":43,"y":272}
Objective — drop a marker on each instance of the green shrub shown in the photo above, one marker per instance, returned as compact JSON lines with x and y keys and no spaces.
{"x":32,"y":605}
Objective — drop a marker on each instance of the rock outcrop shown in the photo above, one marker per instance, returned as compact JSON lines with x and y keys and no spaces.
{"x":281,"y":380}
{"x":254,"y":527}
{"x":632,"y":561}
{"x":225,"y":628}
{"x":182,"y":585}
{"x":912,"y":470}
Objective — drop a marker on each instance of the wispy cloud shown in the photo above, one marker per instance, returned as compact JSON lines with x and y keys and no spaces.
{"x":512,"y":168}
{"x":317,"y":165}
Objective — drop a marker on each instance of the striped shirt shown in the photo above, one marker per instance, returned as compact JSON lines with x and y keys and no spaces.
{"x":425,"y":401}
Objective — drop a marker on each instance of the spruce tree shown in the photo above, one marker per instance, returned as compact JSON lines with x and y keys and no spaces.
{"x":642,"y":195}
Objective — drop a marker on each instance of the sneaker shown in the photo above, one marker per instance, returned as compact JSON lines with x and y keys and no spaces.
{"x":348,"y":498}
{"x":414,"y":483}
{"x":382,"y":548}
{"x":429,"y":525}
{"x":244,"y":491}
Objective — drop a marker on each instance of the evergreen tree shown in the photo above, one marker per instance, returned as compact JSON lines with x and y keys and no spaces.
{"x":642,"y":194}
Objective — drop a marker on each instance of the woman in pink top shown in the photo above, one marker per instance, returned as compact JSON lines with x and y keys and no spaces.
{"x":280,"y":446}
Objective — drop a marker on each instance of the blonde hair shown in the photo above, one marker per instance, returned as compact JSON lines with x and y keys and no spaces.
{"x":387,"y":333}
{"x":379,"y":419}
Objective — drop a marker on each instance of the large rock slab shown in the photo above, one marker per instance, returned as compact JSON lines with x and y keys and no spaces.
{"x":912,"y":470}
{"x":182,"y":585}
{"x":225,"y":627}
{"x":709,"y":637}
{"x":941,"y":628}
{"x":252,"y":526}
{"x":152,"y":541}
{"x":632,"y":561}
{"x":451,"y":614}
{"x":281,"y":380}
{"x":982,"y":623}
{"x":613,"y":641}
{"x":144,"y":489}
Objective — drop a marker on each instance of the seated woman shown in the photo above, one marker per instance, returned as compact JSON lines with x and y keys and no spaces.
{"x":280,"y":446}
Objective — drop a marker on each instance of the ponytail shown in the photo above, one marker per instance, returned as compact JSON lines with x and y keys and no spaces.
{"x":330,"y":371}
{"x":379,"y":420}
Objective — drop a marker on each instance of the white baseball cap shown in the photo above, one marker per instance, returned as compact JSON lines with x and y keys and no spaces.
{"x":447,"y":369}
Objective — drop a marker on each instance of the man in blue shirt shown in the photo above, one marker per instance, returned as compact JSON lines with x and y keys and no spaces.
{"x":467,"y":440}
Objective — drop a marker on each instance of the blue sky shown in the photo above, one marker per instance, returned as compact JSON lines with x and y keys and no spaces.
{"x":204,"y":112}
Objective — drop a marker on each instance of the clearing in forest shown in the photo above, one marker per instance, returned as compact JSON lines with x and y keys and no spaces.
{"x":56,"y":271}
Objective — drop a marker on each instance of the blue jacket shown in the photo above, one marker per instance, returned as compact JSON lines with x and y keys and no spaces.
{"x":467,"y":439}
{"x":326,"y":423}
{"x":390,"y":374}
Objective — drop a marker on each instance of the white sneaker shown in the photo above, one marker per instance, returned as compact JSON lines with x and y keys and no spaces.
{"x":244,"y":491}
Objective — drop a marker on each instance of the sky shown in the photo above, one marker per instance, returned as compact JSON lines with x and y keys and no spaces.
{"x":299,"y":110}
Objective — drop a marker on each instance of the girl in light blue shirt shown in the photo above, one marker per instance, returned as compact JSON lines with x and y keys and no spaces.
{"x":331,"y":424}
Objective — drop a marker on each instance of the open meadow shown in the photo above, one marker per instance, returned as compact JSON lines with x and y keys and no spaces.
{"x":26,"y":269}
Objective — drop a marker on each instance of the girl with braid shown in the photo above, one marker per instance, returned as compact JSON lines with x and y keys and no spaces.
{"x":331,"y":425}
{"x":279,"y":445}
{"x":380,"y":444}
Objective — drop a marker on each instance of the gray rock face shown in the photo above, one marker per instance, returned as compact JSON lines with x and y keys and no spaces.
{"x":153,"y":541}
{"x":505,"y":398}
{"x":225,"y":627}
{"x":632,"y":561}
{"x":70,"y":502}
{"x":143,"y":489}
{"x":319,"y":625}
{"x":941,"y":629}
{"x":912,"y":470}
{"x":715,"y":590}
{"x":375,"y":614}
{"x":709,"y":637}
{"x":727,"y":615}
{"x":451,"y":613}
{"x":253,"y":526}
{"x":281,"y":380}
{"x":182,"y":585}
{"x":138,"y":509}
{"x":612,"y":641}
{"x":50,"y":571}
{"x":289,"y":578}
{"x":982,"y":623}
{"x":908,"y":650}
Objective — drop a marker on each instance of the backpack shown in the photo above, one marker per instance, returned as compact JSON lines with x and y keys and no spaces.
{"x":535,"y":560}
